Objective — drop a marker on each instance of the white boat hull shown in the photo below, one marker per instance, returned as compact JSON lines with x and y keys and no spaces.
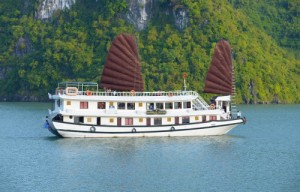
{"x":196,"y":129}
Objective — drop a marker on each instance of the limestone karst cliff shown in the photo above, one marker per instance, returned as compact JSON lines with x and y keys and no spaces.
{"x":139,"y":12}
{"x":48,"y":7}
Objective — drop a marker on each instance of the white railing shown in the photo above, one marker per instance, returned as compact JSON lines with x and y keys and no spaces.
{"x":132,"y":93}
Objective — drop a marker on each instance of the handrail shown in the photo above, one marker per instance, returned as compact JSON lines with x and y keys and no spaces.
{"x":131,"y":94}
{"x":91,"y":89}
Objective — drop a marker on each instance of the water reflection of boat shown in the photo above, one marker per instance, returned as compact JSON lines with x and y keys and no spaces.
{"x":123,"y":109}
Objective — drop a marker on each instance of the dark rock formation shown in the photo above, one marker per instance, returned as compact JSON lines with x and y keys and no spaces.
{"x":23,"y":46}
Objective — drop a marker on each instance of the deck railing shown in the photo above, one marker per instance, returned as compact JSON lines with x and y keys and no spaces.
{"x":91,"y":89}
{"x":131,"y":93}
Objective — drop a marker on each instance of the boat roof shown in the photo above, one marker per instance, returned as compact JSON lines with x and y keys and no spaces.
{"x":223,"y":98}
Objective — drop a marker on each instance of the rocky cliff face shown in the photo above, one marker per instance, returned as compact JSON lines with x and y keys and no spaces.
{"x":139,"y":13}
{"x":180,"y":17}
{"x":48,"y":7}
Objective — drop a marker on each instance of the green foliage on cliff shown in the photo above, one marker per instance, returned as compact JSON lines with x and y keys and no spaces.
{"x":72,"y":46}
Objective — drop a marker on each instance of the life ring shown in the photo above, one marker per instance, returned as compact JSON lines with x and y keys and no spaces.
{"x":72,"y":91}
{"x":132,"y":93}
{"x":212,"y":106}
{"x":133,"y":130}
{"x":170,"y":94}
{"x":93,"y":129}
{"x":88,"y":93}
{"x":172,"y":129}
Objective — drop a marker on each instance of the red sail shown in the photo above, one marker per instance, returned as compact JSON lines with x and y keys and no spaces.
{"x":122,"y":70}
{"x":219,"y":77}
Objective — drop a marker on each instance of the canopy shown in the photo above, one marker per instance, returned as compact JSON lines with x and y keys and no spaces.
{"x":122,"y":70}
{"x":219,"y":77}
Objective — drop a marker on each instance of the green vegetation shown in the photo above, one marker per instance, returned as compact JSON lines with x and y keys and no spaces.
{"x":73,"y":45}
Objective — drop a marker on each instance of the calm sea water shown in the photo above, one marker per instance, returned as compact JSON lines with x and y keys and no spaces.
{"x":263,"y":155}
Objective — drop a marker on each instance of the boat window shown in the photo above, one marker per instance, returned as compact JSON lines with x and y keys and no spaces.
{"x":80,"y":119}
{"x":128,"y":121}
{"x":68,"y":102}
{"x":98,"y":120}
{"x":185,"y":120}
{"x":177,"y":105}
{"x":187,"y":105}
{"x":130,"y":106}
{"x":169,"y":105}
{"x":121,"y":105}
{"x":101,"y":105}
{"x":169,"y":119}
{"x":204,"y":118}
{"x":177,"y":120}
{"x":84,"y":105}
{"x":148,"y":121}
{"x":111,"y":120}
{"x":159,"y":106}
{"x":150,"y":106}
{"x":157,"y":121}
{"x":140,"y":104}
{"x":196,"y":118}
{"x":212,"y":118}
{"x":141,"y":120}
{"x":89,"y":119}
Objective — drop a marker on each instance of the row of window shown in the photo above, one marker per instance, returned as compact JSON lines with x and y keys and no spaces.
{"x":131,"y":106}
{"x":129,"y":120}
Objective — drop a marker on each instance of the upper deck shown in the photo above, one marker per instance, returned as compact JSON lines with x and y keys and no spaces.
{"x":84,"y":89}
{"x":88,"y":91}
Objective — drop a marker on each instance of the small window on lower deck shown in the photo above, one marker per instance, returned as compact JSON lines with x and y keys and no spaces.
{"x":141,"y":120}
{"x":157,"y":121}
{"x":212,"y":118}
{"x":98,"y":120}
{"x":80,"y":119}
{"x":185,"y":120}
{"x":128,"y":121}
{"x":111,"y":120}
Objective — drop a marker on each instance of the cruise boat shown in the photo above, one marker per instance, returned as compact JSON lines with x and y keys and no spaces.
{"x":120,"y":107}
